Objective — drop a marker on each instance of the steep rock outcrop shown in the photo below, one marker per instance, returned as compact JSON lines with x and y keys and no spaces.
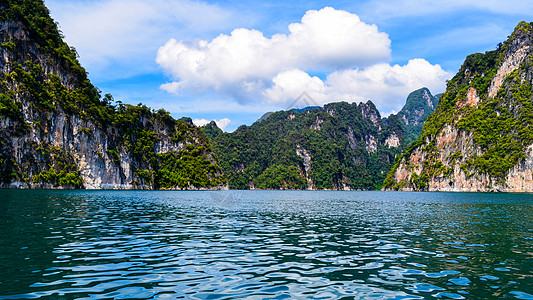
{"x":419,"y":105}
{"x":480,"y":136}
{"x":306,"y":156}
{"x":341,"y":146}
{"x":56,"y":131}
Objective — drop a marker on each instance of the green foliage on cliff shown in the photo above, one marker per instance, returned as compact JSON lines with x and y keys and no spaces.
{"x":211,"y":130}
{"x":271,"y":153}
{"x":338,"y":146}
{"x":35,"y":17}
{"x":64,"y":91}
{"x":189,"y":167}
{"x":61,"y":172}
{"x":9,"y":46}
{"x":281,"y":177}
{"x":419,"y":106}
{"x":501,"y":126}
{"x":10,"y":108}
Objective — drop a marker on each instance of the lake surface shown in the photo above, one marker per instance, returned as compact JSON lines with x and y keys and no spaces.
{"x":264,"y":245}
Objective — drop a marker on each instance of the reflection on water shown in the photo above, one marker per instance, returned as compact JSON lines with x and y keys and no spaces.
{"x":264,"y":244}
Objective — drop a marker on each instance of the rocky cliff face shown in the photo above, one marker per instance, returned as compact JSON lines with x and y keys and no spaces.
{"x":57,"y":132}
{"x":419,"y":105}
{"x":339,"y":146}
{"x":480,"y":137}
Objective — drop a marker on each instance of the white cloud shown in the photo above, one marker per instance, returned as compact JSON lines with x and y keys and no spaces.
{"x":289,"y":85}
{"x":222,"y":123}
{"x":109,"y":34}
{"x":245,"y":61}
{"x":200,"y":122}
{"x":171,"y":87}
{"x":250,"y":67}
{"x":387,"y":86}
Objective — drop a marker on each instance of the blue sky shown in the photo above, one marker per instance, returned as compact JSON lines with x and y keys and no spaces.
{"x":232,"y":61}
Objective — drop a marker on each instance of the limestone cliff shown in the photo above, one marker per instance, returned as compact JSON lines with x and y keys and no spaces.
{"x":341,"y":146}
{"x":419,"y":105}
{"x":480,"y":138}
{"x":56,"y":131}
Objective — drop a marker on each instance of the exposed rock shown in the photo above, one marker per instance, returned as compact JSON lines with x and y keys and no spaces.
{"x":48,"y":144}
{"x":392,"y":141}
{"x":370,"y":143}
{"x":317,"y":125}
{"x":470,"y":146}
{"x":351,"y":138}
{"x":472,"y":99}
{"x":370,"y":112}
{"x":429,"y":98}
{"x":510,"y":64}
{"x":520,"y":178}
{"x":301,"y":152}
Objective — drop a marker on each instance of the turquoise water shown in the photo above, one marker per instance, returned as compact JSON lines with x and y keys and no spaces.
{"x":264,"y":245}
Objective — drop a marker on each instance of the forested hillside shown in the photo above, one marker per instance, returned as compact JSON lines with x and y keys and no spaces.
{"x":340,"y":146}
{"x":56,"y":129}
{"x":481,"y":135}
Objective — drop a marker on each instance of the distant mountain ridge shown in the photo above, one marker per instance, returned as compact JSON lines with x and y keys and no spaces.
{"x":480,"y":138}
{"x":339,"y":146}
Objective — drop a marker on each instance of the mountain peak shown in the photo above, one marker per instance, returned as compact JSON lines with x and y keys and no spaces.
{"x":57,"y":131}
{"x":211,"y":130}
{"x":518,"y":42}
{"x":479,"y":137}
{"x":521,"y":34}
{"x":418,"y":106}
{"x":421,"y":96}
{"x":370,"y":112}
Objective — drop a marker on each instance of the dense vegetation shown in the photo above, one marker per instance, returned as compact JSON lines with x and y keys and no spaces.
{"x":189,"y":167}
{"x":419,"y":105}
{"x":129,"y":130}
{"x":44,"y":32}
{"x":265,"y":154}
{"x":337,"y":139}
{"x":502,"y":126}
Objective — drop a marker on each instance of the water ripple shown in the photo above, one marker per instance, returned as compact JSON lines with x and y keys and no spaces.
{"x":263,"y":245}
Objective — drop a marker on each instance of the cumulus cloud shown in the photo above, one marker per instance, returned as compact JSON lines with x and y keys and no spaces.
{"x":384,"y":84}
{"x":290,"y":85}
{"x":200,"y":122}
{"x":222,"y":123}
{"x":120,"y":37}
{"x":250,"y":67}
{"x":245,"y":61}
